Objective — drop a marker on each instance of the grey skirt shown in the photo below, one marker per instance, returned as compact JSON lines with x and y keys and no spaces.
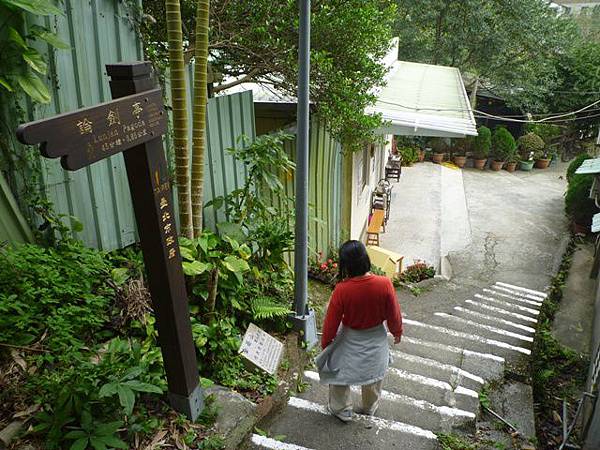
{"x":355,"y":357}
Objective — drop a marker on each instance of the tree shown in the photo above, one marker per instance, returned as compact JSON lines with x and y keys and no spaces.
{"x":199,"y":115}
{"x":180,"y":122}
{"x":509,"y":46}
{"x":258,"y":41}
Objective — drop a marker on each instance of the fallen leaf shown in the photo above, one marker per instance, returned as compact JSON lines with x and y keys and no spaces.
{"x":17,"y":358}
{"x":28,"y":412}
{"x":556,"y":417}
{"x":157,"y":440}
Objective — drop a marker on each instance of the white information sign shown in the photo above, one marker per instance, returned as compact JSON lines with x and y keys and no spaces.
{"x":261,"y":349}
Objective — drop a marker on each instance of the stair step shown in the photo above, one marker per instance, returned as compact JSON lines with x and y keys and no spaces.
{"x":461,"y":339}
{"x":471,"y":326}
{"x":453,"y":375}
{"x":520,"y":289}
{"x":310,"y":425}
{"x":509,"y":306}
{"x":429,"y":389}
{"x":395,"y":406}
{"x":493,"y":320}
{"x":489,"y":367}
{"x":260,"y":442}
{"x":491,"y":309}
{"x":503,"y":295}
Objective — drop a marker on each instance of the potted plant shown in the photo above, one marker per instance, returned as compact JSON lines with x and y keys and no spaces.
{"x":542,"y":159}
{"x":410,"y":155}
{"x":439,"y":147}
{"x":504,"y":146}
{"x":512,"y":161}
{"x":481,"y":147}
{"x":421,"y":154}
{"x":459,"y":156}
{"x":529,"y":145}
{"x":580,"y":208}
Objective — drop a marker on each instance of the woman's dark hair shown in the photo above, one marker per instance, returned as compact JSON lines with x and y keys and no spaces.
{"x":354,"y":260}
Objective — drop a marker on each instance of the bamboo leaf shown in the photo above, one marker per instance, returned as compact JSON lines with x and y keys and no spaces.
{"x":35,"y":60}
{"x":37,"y":7}
{"x":34,"y":87}
{"x":50,"y":38}
{"x":5,"y":84}
{"x":16,"y":37}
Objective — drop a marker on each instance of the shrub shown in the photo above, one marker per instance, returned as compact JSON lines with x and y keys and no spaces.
{"x":578,"y":206}
{"x":409,"y":154}
{"x":438,"y":145}
{"x":530,"y":146}
{"x":416,"y":272}
{"x":575,"y":164}
{"x":547,"y":132}
{"x":504,"y":145}
{"x":482,"y":143}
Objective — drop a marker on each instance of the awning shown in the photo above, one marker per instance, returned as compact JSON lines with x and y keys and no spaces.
{"x":425,"y":100}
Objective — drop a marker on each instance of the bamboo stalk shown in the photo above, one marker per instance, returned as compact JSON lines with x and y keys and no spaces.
{"x":180,"y":119}
{"x":199,"y":116}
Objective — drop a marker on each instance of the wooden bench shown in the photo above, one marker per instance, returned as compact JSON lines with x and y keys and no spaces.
{"x":375,"y":225}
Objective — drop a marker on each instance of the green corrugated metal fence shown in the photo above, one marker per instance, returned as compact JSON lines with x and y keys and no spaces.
{"x":101,"y":32}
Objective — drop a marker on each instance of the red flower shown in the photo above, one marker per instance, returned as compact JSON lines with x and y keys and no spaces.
{"x":335,"y":265}
{"x":329,"y":261}
{"x":323,"y":266}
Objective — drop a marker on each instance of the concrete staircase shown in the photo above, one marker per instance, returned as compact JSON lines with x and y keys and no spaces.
{"x":432,"y":385}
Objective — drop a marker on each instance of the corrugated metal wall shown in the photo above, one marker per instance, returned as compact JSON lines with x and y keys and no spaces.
{"x":101,"y":32}
{"x":324,"y":191}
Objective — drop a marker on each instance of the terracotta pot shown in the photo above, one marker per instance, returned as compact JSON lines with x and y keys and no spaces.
{"x":511,"y":167}
{"x":421,"y":155}
{"x":438,"y":158}
{"x":496,"y":165}
{"x":479,"y":163}
{"x":460,"y":161}
{"x":542,"y":163}
{"x":580,"y":229}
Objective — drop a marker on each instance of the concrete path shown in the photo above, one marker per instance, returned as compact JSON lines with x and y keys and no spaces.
{"x":458,"y":334}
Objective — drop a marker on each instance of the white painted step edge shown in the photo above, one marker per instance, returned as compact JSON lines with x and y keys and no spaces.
{"x":377,"y":422}
{"x":508,"y":323}
{"x":435,"y":364}
{"x":519,"y":288}
{"x":518,"y":294}
{"x":485,"y":327}
{"x":273,"y":444}
{"x":471,"y":337}
{"x":533,"y":312}
{"x":445,"y":411}
{"x":450,"y":348}
{"x":504,"y":295}
{"x":432,"y":382}
{"x":502,"y":311}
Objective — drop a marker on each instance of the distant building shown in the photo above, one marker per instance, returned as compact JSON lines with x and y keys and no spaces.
{"x":576,"y":6}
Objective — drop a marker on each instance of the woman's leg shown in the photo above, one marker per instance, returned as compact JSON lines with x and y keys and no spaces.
{"x":340,"y":401}
{"x":371,"y":394}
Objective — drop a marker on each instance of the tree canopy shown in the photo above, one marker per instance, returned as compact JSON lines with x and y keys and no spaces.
{"x":258,"y":41}
{"x":510,"y":45}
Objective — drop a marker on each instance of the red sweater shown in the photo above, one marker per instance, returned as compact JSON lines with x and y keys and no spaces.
{"x":360,"y":303}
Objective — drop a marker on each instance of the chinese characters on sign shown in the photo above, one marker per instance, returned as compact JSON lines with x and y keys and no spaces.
{"x":261,"y":349}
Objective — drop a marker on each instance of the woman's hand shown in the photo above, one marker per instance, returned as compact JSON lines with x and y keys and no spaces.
{"x":397,"y":339}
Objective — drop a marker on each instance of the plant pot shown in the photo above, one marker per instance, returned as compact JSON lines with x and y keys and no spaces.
{"x":511,"y":167}
{"x":496,"y":165}
{"x":421,"y":155}
{"x":479,"y":163}
{"x":460,"y":161}
{"x":526,"y":165}
{"x":438,"y":158}
{"x":580,"y":229}
{"x":542,"y":163}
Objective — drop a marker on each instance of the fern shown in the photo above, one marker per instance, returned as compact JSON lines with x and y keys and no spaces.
{"x":267,"y":308}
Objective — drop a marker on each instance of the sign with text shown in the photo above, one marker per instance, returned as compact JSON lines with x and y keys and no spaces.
{"x":261,"y":349}
{"x":133,"y":124}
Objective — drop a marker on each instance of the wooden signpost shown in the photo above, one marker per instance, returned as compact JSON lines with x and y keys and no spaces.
{"x":134,"y":124}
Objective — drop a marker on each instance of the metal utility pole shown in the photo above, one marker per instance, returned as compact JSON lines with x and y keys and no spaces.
{"x":304,"y":319}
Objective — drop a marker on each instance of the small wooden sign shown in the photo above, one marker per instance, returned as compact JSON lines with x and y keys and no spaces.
{"x":261,"y":349}
{"x":87,"y":135}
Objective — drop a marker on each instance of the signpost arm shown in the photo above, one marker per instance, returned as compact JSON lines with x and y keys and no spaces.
{"x":148,"y":177}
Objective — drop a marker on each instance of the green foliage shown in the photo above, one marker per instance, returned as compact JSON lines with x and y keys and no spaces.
{"x":349,"y":38}
{"x":97,"y":435}
{"x":60,"y":293}
{"x":482,"y":143}
{"x":450,"y":441}
{"x":268,"y":308}
{"x":503,"y":144}
{"x":21,"y":64}
{"x":575,"y":164}
{"x":409,"y":154}
{"x":416,"y":272}
{"x":531,"y":146}
{"x":578,"y":205}
{"x":505,"y":45}
{"x":546,"y":131}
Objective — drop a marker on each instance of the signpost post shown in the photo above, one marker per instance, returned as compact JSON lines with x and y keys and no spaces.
{"x":134,"y":123}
